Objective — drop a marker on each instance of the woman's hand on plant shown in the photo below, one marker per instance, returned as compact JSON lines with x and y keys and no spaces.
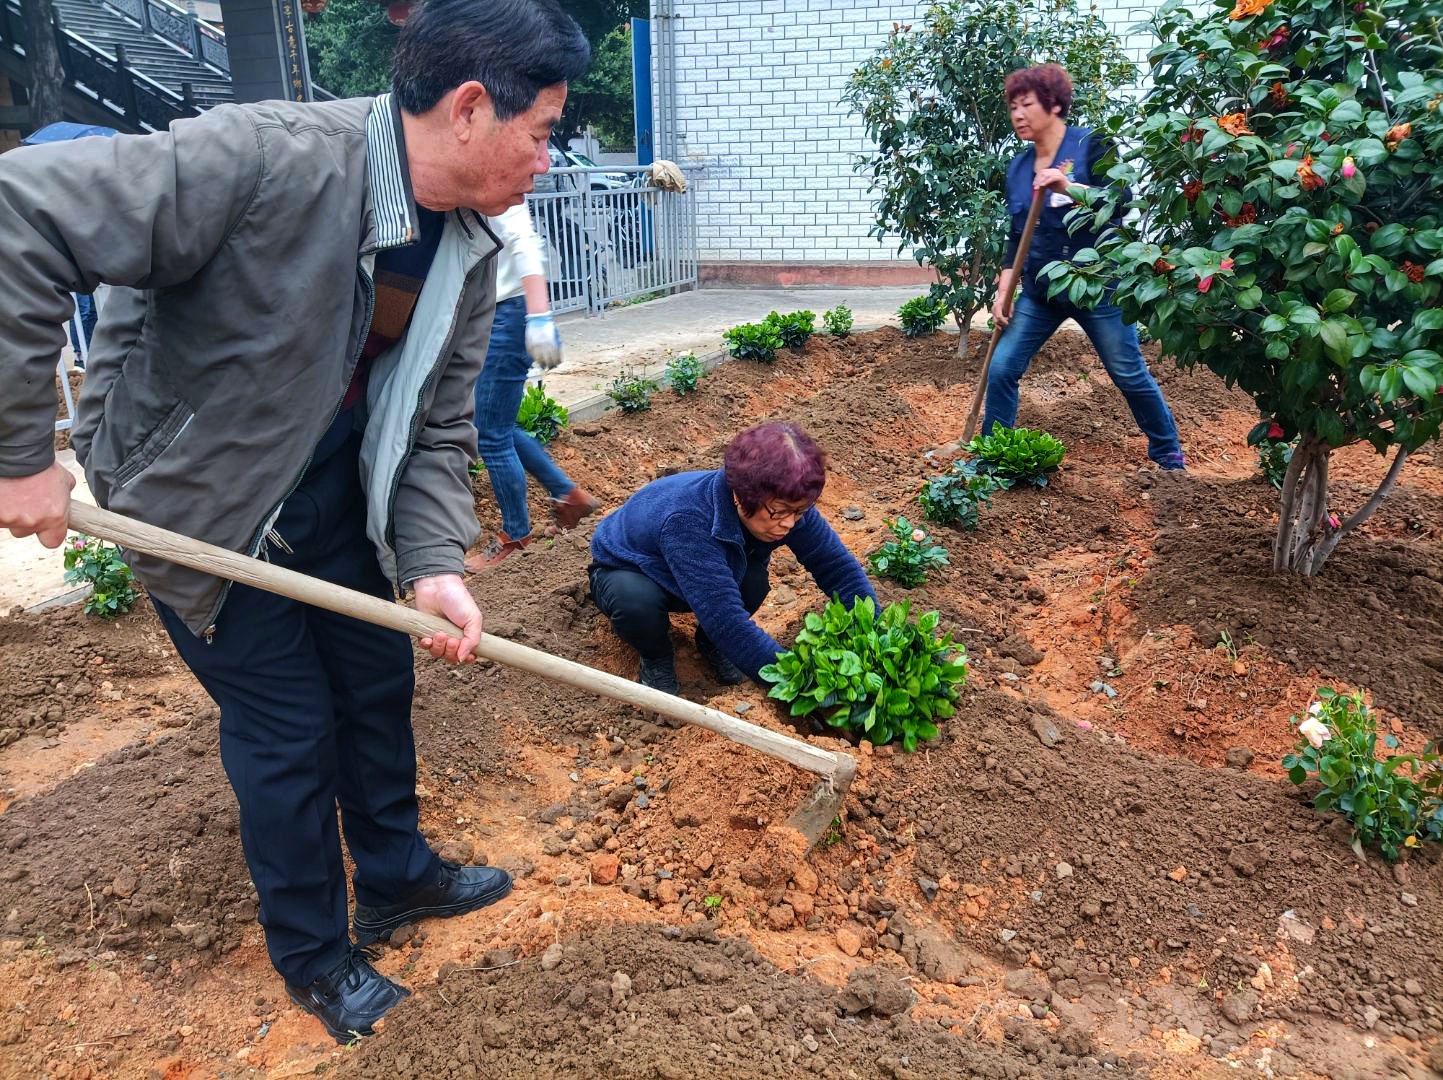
{"x":1053,"y":180}
{"x":446,"y":595}
{"x":543,"y":340}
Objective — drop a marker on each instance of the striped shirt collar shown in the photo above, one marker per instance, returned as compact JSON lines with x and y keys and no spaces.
{"x":390,"y":179}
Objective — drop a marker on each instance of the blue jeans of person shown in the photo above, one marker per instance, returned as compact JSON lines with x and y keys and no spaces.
{"x":1034,"y":321}
{"x":315,"y":712}
{"x":508,"y":452}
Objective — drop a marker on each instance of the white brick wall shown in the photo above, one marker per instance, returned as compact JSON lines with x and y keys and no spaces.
{"x":758,"y":101}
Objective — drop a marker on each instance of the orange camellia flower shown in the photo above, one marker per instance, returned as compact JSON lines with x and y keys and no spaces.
{"x":1246,"y":9}
{"x":1246,"y":215}
{"x":1162,"y":266}
{"x":1309,"y":180}
{"x":1192,"y":189}
{"x":1412,"y":271}
{"x":1234,"y":123}
{"x":1396,"y":134}
{"x":1337,"y":229}
{"x":1278,"y":95}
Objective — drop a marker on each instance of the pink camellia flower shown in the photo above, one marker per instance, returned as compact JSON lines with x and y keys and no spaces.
{"x":1335,"y":521}
{"x":1275,"y":430}
{"x":1227,"y":264}
{"x":918,"y":536}
{"x":1349,"y":168}
{"x":1205,"y":284}
{"x":1315,"y":731}
{"x":79,"y":545}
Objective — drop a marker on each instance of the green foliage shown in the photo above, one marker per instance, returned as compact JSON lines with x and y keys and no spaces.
{"x":98,"y":564}
{"x":541,"y":414}
{"x":1273,"y":458}
{"x":794,"y":328}
{"x":1395,"y":803}
{"x":753,"y":341}
{"x":956,"y":496}
{"x":683,"y":373}
{"x":602,"y":98}
{"x":631,"y":392}
{"x":939,"y":135}
{"x":349,"y":46}
{"x":922,"y":315}
{"x":882,"y":677}
{"x":908,"y":557}
{"x":713,"y":903}
{"x":1291,"y":236}
{"x":1016,"y":455}
{"x":838,"y":321}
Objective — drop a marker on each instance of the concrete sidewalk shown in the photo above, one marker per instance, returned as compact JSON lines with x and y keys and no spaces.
{"x":638,"y":338}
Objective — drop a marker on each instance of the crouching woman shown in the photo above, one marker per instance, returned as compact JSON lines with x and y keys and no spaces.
{"x":703,"y":542}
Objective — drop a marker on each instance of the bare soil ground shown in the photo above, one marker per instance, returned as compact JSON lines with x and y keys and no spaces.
{"x":1066,"y":884}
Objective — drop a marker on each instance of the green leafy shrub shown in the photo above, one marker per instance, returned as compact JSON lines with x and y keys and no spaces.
{"x":631,"y":392}
{"x":908,"y":557}
{"x":956,"y":497}
{"x":1285,"y":162}
{"x":838,"y":321}
{"x":795,"y":328}
{"x":541,"y":414}
{"x":683,"y":373}
{"x":753,"y":341}
{"x":922,"y":315}
{"x":1016,"y":455}
{"x":1395,"y":803}
{"x":881,"y":677}
{"x":98,"y":564}
{"x":1275,"y":453}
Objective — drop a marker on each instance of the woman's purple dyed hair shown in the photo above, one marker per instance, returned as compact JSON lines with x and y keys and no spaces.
{"x":774,"y":461}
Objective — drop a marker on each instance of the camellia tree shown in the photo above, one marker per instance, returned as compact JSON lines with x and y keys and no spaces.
{"x":1289,"y":233}
{"x":931,"y":101}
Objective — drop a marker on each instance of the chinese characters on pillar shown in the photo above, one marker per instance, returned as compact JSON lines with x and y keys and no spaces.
{"x":293,"y":52}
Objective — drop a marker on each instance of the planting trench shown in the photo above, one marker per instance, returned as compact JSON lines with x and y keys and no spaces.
{"x":1139,"y":894}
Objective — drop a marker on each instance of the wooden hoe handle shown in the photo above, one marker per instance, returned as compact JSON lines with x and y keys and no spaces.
{"x":163,"y":544}
{"x":1018,"y":261}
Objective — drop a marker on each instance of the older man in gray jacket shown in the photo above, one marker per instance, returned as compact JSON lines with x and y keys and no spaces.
{"x":287,"y":371}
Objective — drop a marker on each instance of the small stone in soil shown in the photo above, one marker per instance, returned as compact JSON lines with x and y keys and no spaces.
{"x":929,"y":888}
{"x":1239,"y":757}
{"x":1007,"y":935}
{"x":1064,"y":870}
{"x":852,"y":513}
{"x":551,"y":958}
{"x":1408,"y":899}
{"x":642,"y":801}
{"x":1046,"y":731}
{"x":742,"y":708}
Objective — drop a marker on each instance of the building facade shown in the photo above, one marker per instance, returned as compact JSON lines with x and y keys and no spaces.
{"x":752,"y":89}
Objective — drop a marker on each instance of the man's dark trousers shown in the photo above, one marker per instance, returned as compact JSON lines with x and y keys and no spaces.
{"x":316,"y":711}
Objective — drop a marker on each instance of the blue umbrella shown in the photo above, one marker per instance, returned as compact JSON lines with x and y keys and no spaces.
{"x":64,"y":132}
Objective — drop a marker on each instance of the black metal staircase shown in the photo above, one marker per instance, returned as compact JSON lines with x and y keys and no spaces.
{"x":134,"y":65}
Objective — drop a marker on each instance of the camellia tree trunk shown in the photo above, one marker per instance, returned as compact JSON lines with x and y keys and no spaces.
{"x":47,"y":78}
{"x":1308,"y":530}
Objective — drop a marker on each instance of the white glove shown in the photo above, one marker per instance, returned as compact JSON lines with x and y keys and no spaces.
{"x":666,"y":176}
{"x":543,"y":340}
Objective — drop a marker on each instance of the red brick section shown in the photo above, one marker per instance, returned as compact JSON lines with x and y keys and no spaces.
{"x":815,"y":273}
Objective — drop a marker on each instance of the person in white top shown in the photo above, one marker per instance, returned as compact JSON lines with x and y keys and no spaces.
{"x":523,"y":332}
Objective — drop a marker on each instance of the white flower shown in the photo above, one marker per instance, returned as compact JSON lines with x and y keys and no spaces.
{"x":918,"y":536}
{"x":1315,"y":709}
{"x":1315,"y":731}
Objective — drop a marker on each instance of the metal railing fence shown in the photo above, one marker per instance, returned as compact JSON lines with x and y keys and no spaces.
{"x":612,"y":237}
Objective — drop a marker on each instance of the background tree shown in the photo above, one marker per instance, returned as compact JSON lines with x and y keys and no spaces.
{"x":1291,"y":230}
{"x":931,"y":101}
{"x":602,"y":98}
{"x":47,"y":78}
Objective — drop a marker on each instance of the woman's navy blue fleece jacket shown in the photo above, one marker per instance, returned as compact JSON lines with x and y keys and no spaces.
{"x":684,"y":533}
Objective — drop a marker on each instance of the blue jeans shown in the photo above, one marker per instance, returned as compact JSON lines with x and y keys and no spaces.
{"x":1034,"y":321}
{"x":508,"y":452}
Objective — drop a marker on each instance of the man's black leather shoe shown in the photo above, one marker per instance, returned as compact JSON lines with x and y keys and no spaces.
{"x":727,"y":673}
{"x":350,"y":998}
{"x":456,"y":890}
